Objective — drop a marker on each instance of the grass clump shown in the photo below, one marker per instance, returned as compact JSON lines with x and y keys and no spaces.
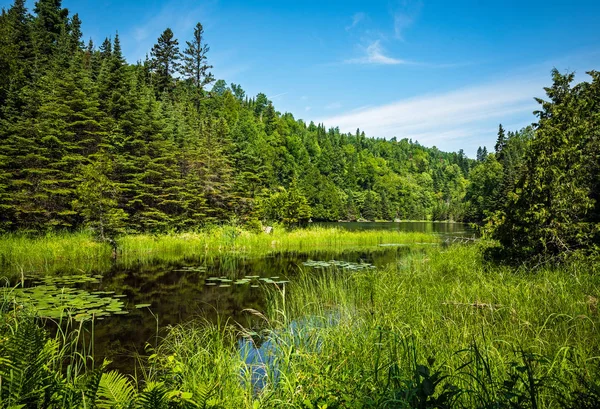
{"x":76,"y":252}
{"x":440,"y":328}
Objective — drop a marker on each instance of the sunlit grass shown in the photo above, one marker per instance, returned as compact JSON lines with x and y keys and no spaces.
{"x":358,"y":338}
{"x":437,"y":325}
{"x":73,"y":252}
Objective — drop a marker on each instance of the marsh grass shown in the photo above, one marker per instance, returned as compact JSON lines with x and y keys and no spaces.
{"x":79,"y":252}
{"x":438,"y":329}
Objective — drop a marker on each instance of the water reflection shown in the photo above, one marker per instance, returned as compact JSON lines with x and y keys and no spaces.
{"x":443,"y":228}
{"x":263,"y":355}
{"x":177,"y":295}
{"x":178,"y":292}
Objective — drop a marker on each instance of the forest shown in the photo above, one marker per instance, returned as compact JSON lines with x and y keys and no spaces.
{"x":160,"y":144}
{"x":134,"y":198}
{"x":90,"y":140}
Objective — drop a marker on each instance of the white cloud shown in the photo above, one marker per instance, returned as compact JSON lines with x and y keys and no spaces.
{"x":277,"y":96}
{"x":375,"y":54}
{"x":356,"y":19}
{"x":446,"y":119}
{"x":307,"y":109}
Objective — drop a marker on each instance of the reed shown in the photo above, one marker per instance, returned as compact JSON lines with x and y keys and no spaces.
{"x":79,"y":252}
{"x":437,"y":328}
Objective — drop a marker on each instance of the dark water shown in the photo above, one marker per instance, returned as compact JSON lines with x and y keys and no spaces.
{"x":177,"y":294}
{"x":443,"y":228}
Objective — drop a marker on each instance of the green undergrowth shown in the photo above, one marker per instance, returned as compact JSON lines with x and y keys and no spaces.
{"x":438,"y":328}
{"x":80,"y":252}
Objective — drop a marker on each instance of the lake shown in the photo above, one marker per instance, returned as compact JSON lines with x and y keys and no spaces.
{"x":220,"y":288}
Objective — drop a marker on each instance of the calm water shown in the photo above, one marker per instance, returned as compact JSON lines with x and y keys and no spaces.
{"x":177,"y":295}
{"x":453,"y":229}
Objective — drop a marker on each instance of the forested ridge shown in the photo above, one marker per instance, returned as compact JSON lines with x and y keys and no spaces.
{"x":87,"y":139}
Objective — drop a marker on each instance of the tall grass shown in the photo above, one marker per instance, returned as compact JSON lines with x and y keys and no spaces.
{"x":71,"y":252}
{"x":54,"y":251}
{"x":440,"y":329}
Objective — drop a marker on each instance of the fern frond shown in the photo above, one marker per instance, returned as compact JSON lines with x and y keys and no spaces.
{"x":114,"y":391}
{"x":154,"y":396}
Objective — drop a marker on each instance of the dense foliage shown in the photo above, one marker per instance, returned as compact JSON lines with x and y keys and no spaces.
{"x":464,"y":334}
{"x":88,"y":139}
{"x":554,"y":208}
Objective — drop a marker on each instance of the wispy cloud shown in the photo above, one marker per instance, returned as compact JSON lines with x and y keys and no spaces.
{"x":438,"y":119}
{"x":375,"y":54}
{"x":138,"y":42}
{"x":405,"y":16}
{"x":307,"y":109}
{"x":356,"y":19}
{"x":401,"y":22}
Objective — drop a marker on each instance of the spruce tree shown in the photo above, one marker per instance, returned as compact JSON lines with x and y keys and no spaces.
{"x":50,"y":21}
{"x":479,"y":154}
{"x":195,"y":66}
{"x":96,"y":199}
{"x":554,"y":209}
{"x":165,"y":60}
{"x":500,"y":143}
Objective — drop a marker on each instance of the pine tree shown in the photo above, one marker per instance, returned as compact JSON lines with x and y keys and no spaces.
{"x":106,"y":49}
{"x":553,"y":209}
{"x":16,"y":58}
{"x":500,"y":143}
{"x":369,"y":209}
{"x":165,"y":60}
{"x":75,"y":34}
{"x":96,"y":199}
{"x":195,"y":66}
{"x":296,"y":209}
{"x":49,"y":23}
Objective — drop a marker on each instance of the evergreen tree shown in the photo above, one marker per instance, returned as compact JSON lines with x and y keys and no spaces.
{"x":75,"y":34}
{"x":49,"y":23}
{"x":370,"y":208}
{"x":96,"y":199}
{"x":164,"y":157}
{"x":500,"y":143}
{"x":195,"y":66}
{"x":553,"y":209}
{"x":165,"y":60}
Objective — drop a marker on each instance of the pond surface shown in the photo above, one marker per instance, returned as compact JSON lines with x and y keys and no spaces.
{"x":184,"y":291}
{"x":443,"y":228}
{"x":219,"y":288}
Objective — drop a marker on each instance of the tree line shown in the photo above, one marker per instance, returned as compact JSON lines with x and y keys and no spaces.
{"x":90,"y":140}
{"x":87,"y":139}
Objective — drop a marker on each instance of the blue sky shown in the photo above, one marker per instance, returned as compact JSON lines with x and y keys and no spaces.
{"x":443,"y":73}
